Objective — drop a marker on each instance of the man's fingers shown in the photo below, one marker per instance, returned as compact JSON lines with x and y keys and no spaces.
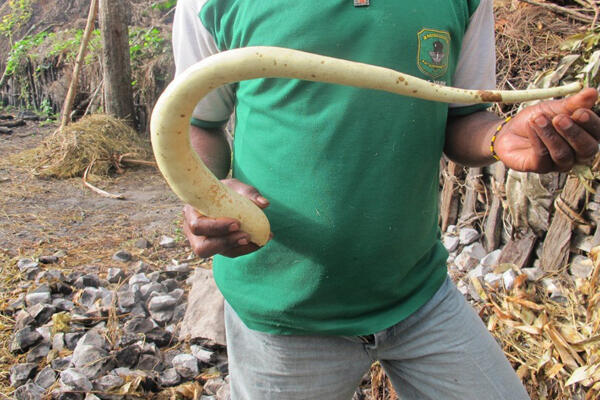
{"x":203,"y":226}
{"x":543,"y":162}
{"x":205,"y":247}
{"x":583,"y":144}
{"x":588,"y":120}
{"x":559,"y":150}
{"x":247,"y":191}
{"x":584,"y":99}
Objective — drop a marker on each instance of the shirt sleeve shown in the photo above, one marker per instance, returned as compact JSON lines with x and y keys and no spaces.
{"x":192,"y":42}
{"x":476,"y":68}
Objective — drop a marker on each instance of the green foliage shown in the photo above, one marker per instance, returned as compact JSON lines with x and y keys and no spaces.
{"x":143,"y":42}
{"x":164,"y":5}
{"x":21,"y":50}
{"x":20,"y":14}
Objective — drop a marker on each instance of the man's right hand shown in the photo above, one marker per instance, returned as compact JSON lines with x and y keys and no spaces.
{"x":210,"y":236}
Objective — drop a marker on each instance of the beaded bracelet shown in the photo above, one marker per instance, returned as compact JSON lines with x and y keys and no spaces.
{"x":494,"y":138}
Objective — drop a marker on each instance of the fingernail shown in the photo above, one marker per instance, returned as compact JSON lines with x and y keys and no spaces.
{"x":541,"y":122}
{"x":262,"y":200}
{"x":582,"y":116}
{"x":234,"y":227}
{"x":243,"y":242}
{"x":565,"y":123}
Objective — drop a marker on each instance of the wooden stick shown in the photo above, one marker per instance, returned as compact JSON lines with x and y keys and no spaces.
{"x":561,"y":10}
{"x":68,"y":104}
{"x":449,"y":201}
{"x":101,"y":192}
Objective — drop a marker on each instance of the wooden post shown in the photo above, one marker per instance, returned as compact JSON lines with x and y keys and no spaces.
{"x":118,"y":94}
{"x":68,"y":104}
{"x":469,"y":207}
{"x":555,"y":252}
{"x":449,"y":198}
{"x":493,"y":223}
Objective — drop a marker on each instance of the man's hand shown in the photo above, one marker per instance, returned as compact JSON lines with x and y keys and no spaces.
{"x":210,"y":236}
{"x":552,"y":135}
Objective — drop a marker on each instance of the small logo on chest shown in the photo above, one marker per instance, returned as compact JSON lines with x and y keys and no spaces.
{"x":361,"y":3}
{"x":433,"y":52}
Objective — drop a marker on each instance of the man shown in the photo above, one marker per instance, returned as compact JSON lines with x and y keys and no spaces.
{"x":355,"y":271}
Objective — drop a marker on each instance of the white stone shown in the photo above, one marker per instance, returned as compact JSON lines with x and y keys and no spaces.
{"x":533,"y":274}
{"x":508,"y":278}
{"x":550,"y":286}
{"x":450,"y":242}
{"x":167,"y":242}
{"x":462,"y":287}
{"x":478,"y":272}
{"x":493,"y":279}
{"x":186,"y":365}
{"x":470,"y":257}
{"x":581,"y":267}
{"x":452,"y":229}
{"x":491,"y":260}
{"x":468,"y":235}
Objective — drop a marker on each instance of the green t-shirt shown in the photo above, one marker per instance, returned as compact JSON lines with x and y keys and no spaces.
{"x":351,"y":174}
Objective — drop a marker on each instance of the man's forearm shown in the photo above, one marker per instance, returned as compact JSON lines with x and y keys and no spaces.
{"x":468,"y":138}
{"x":213,"y":148}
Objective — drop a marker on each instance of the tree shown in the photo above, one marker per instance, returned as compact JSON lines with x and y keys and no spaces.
{"x":118,"y":93}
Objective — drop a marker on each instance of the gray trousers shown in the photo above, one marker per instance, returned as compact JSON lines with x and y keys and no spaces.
{"x":441,"y":352}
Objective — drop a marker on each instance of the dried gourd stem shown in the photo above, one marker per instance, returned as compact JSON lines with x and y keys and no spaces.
{"x":196,"y":185}
{"x":101,"y":192}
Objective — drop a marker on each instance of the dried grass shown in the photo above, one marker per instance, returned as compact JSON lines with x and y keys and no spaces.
{"x":97,"y":140}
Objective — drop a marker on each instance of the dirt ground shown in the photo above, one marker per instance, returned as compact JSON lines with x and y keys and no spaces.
{"x":42,"y":217}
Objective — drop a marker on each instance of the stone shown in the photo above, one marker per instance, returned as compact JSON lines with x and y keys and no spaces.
{"x":451,"y":229}
{"x":16,"y":304}
{"x":204,"y":314}
{"x":508,"y":279}
{"x":224,"y":393}
{"x":60,"y":364}
{"x":493,"y":279}
{"x":179,"y":313}
{"x":138,"y":279}
{"x":89,"y":296}
{"x":90,"y":355}
{"x":75,"y":378}
{"x":71,"y":339}
{"x":203,"y":355}
{"x":462,"y":287}
{"x":127,"y":339}
{"x":122,"y":256}
{"x":115,"y":275}
{"x":58,"y":341}
{"x":128,"y":356}
{"x":41,"y":312}
{"x":149,"y":362}
{"x":142,"y":243}
{"x":45,"y":378}
{"x":23,"y":319}
{"x":178,"y":268}
{"x":28,"y":268}
{"x":38,"y":353}
{"x":491,"y":259}
{"x":470,"y":256}
{"x":128,"y":298}
{"x":451,"y":242}
{"x":186,"y":366}
{"x":87,"y":280}
{"x":161,"y":337}
{"x":154,"y":276}
{"x":177,"y":294}
{"x":550,"y":286}
{"x":171,"y":284}
{"x":533,"y":274}
{"x":478,"y":272}
{"x":48,"y":259}
{"x":38,"y":298}
{"x":581,"y":267}
{"x":169,"y":377}
{"x":167,"y":242}
{"x":45,"y":332}
{"x":468,"y":236}
{"x":108,"y":382}
{"x":24,"y":339}
{"x":212,"y":386}
{"x":139,"y":325}
{"x":161,"y":308}
{"x":21,"y":373}
{"x":151,"y":288}
{"x":29,"y":391}
{"x":63,"y":304}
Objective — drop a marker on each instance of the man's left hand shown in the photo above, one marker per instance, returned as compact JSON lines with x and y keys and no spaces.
{"x":552,"y":135}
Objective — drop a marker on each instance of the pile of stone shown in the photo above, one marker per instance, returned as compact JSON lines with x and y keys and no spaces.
{"x":87,"y":336}
{"x":469,"y":260}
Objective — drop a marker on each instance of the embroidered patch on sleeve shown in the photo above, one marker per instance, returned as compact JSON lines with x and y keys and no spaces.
{"x":433,"y":52}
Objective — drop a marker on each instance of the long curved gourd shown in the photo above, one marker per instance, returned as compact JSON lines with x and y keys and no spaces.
{"x":196,"y":185}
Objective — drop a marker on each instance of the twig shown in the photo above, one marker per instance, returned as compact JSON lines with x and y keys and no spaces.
{"x":93,"y":98}
{"x":561,"y":10}
{"x":97,"y":190}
